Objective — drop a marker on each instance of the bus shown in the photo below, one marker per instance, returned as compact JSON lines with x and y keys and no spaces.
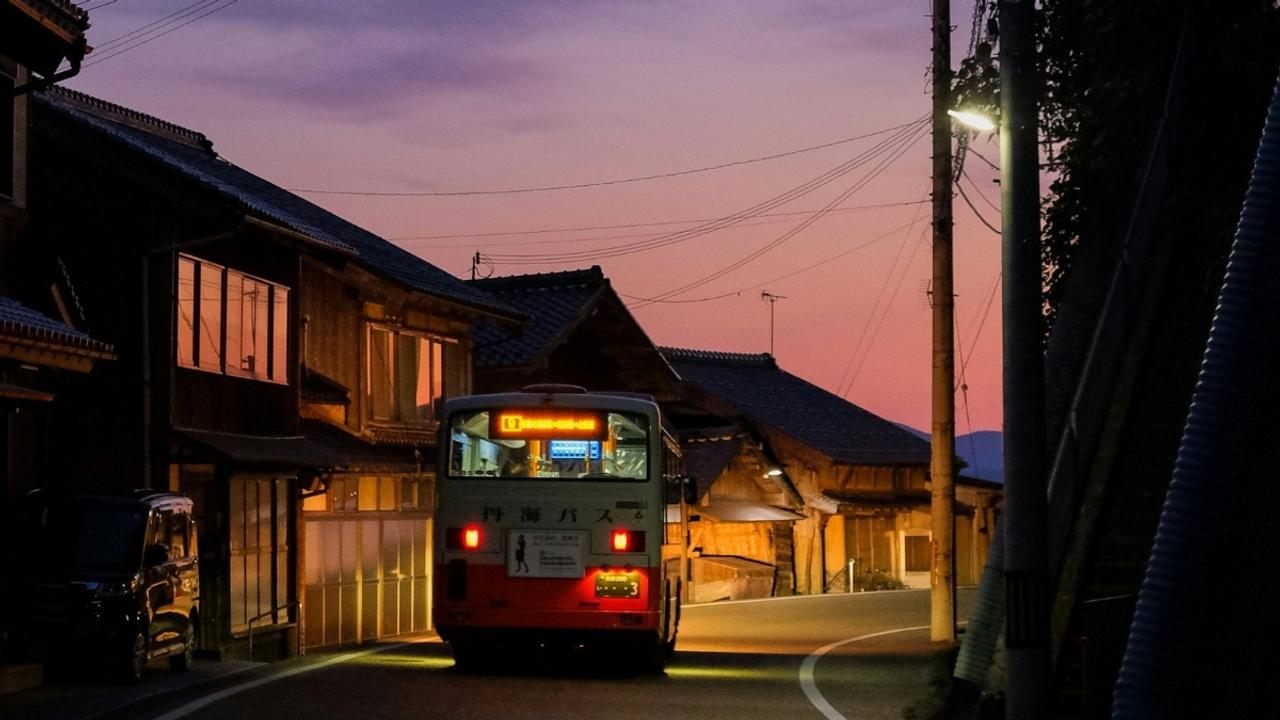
{"x":551,"y":527}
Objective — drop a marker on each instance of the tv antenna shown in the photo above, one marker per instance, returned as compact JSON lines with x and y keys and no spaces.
{"x":766,"y":295}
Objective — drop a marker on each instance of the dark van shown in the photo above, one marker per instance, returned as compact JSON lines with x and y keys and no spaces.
{"x":109,"y":578}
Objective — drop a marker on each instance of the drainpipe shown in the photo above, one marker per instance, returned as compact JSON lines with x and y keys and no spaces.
{"x":75,"y":57}
{"x":1169,"y":667}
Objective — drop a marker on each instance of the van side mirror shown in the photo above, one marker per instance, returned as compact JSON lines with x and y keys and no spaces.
{"x":156,"y":554}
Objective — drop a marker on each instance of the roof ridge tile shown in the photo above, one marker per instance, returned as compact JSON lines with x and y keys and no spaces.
{"x":133,"y":118}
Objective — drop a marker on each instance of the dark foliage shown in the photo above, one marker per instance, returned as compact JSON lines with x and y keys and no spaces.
{"x":1105,"y":73}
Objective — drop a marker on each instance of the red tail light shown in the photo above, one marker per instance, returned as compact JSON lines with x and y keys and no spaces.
{"x":623,"y":541}
{"x":468,"y":538}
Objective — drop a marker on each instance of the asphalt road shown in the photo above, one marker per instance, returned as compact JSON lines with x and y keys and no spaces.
{"x":834,"y":656}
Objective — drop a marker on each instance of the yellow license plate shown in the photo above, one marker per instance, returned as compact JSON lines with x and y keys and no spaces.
{"x":617,"y":585}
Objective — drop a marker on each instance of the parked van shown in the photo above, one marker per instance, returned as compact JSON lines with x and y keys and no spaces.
{"x":111,"y":578}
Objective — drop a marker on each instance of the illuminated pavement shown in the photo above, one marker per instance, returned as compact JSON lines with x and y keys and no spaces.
{"x":737,"y":661}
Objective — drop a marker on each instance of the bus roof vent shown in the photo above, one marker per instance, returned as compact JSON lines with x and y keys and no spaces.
{"x":553,"y":388}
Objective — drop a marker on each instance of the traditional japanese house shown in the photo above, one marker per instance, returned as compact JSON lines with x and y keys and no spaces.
{"x":864,"y":481}
{"x":237,"y":310}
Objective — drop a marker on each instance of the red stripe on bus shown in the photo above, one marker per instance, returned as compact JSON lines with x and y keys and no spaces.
{"x":492,"y":598}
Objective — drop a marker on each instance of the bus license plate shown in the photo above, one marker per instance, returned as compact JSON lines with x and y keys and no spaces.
{"x":617,"y":585}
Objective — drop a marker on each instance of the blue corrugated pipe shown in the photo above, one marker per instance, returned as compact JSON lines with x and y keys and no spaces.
{"x":1168,"y":670}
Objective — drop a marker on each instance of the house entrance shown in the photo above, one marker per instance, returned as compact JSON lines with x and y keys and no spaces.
{"x":366,"y":564}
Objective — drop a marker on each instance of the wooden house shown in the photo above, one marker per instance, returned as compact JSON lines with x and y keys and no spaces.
{"x":247,"y":321}
{"x":863,"y":480}
{"x":44,"y":350}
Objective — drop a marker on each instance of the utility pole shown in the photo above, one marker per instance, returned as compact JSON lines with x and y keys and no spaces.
{"x":766,"y":295}
{"x":942,"y":439}
{"x":1025,"y":547}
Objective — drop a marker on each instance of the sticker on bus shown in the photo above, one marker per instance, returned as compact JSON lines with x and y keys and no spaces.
{"x":545,"y":553}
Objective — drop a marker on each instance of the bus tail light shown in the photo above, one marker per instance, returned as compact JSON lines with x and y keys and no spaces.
{"x":470,"y":537}
{"x":626,"y":541}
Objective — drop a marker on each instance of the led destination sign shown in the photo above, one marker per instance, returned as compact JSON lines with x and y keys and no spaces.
{"x":532,"y":423}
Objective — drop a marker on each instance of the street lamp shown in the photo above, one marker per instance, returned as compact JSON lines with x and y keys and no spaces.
{"x":975,"y":120}
{"x":1026,"y":578}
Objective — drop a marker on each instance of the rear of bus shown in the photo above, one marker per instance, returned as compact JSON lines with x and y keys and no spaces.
{"x":549,"y":525}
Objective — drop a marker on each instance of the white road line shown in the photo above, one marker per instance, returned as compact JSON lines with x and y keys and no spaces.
{"x":194,"y":705}
{"x":806,"y":671}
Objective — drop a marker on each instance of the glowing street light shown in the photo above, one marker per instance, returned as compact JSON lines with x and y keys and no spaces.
{"x":975,"y":120}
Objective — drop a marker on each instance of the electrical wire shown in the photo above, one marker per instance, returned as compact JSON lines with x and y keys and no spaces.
{"x":973,"y":184}
{"x":155,"y":24}
{"x":857,"y":346}
{"x":964,"y":383}
{"x":991,"y":296}
{"x":141,"y":40}
{"x":886,"y":146}
{"x":984,"y":159}
{"x":770,"y":281}
{"x":857,"y":371}
{"x":508,"y":233}
{"x":875,"y":172}
{"x":603,"y":183}
{"x":967,"y":201}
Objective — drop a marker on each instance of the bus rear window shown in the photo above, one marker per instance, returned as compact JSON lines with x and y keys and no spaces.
{"x":619,"y":450}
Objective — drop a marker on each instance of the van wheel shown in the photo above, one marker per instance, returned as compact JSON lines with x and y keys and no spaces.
{"x":135,"y":657}
{"x":182,"y":661}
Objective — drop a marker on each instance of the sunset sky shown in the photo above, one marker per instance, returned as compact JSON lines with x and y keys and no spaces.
{"x":401,"y":98}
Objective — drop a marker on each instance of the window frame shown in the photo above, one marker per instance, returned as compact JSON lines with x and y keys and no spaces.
{"x":191,"y":344}
{"x":431,"y":347}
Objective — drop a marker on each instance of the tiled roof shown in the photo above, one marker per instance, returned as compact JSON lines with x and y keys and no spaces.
{"x":705,"y":460}
{"x":21,"y":321}
{"x":354,"y":454}
{"x":756,"y":386}
{"x":554,"y":302}
{"x":191,"y":154}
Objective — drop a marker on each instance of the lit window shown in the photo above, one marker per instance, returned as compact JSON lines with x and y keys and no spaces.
{"x":209,"y":319}
{"x":408,"y":375}
{"x":229,"y":322}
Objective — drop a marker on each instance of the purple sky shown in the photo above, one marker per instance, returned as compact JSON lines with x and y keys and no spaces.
{"x":411,"y":96}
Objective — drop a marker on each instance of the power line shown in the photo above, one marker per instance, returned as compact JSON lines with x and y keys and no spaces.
{"x":147,"y":37}
{"x":871,"y":343}
{"x":991,"y":295}
{"x":602,"y":183}
{"x":793,"y":273}
{"x":719,"y":223}
{"x":875,"y":172}
{"x":857,"y":347}
{"x":727,"y":221}
{"x":161,"y":22}
{"x":969,"y":202}
{"x":624,"y":226}
{"x":984,"y":159}
{"x":973,"y":184}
